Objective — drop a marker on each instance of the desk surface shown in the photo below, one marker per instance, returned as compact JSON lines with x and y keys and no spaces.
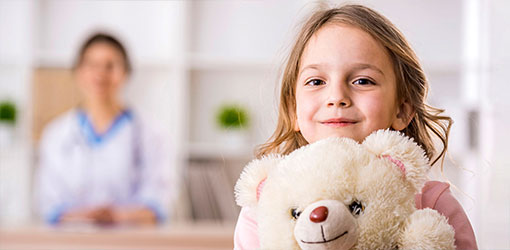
{"x":193,"y":236}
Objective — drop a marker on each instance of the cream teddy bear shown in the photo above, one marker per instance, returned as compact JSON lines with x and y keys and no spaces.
{"x":340,"y":194}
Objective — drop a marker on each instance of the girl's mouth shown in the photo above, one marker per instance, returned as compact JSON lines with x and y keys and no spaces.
{"x":338,"y":122}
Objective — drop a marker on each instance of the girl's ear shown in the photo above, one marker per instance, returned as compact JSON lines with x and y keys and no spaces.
{"x":405,"y":114}
{"x":250,"y":183}
{"x":296,"y":125}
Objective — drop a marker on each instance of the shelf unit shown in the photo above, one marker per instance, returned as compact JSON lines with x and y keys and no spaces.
{"x":225,"y":64}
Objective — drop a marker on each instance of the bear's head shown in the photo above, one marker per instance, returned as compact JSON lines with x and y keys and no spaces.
{"x":335,"y":193}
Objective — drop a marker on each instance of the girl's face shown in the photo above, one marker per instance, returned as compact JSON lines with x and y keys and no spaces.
{"x":101,"y":72}
{"x":346,"y":86}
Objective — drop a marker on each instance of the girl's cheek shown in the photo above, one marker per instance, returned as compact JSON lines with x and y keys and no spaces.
{"x":305,"y":108}
{"x":381,"y":108}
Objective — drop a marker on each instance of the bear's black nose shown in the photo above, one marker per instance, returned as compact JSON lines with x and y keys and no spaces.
{"x":319,"y":214}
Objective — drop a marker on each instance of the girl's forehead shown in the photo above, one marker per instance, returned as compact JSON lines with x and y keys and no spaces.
{"x":335,"y":45}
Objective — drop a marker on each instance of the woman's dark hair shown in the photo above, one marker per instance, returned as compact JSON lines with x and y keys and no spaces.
{"x":108,"y":39}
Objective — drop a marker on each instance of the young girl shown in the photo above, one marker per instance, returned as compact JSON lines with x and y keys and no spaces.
{"x":350,"y":73}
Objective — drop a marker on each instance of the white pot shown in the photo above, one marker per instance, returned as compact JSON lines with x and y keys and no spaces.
{"x":6,"y":134}
{"x":234,"y":138}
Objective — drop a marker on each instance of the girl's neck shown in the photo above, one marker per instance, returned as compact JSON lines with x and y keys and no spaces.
{"x":102,"y":114}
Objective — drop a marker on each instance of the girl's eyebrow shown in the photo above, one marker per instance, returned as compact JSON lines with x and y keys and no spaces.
{"x":310,"y":66}
{"x":362,"y":66}
{"x":354,"y":67}
{"x":314,"y":66}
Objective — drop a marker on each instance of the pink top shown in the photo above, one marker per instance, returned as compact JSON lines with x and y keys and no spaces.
{"x":435,"y":195}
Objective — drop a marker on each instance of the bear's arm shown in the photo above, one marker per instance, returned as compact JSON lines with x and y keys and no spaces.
{"x":246,"y":232}
{"x":437,"y":195}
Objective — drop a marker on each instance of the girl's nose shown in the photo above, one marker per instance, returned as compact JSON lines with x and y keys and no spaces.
{"x":341,"y":103}
{"x":338,"y":97}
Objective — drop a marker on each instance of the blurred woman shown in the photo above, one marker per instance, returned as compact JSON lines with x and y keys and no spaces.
{"x":98,"y":162}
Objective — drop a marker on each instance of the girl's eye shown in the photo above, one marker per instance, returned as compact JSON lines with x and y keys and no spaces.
{"x":315,"y":82}
{"x":295,"y":213}
{"x":363,"y":81}
{"x":356,"y":208}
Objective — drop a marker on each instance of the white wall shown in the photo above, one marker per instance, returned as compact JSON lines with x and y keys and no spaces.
{"x":150,"y":30}
{"x":16,"y":57}
{"x":494,"y":135}
{"x":245,"y":29}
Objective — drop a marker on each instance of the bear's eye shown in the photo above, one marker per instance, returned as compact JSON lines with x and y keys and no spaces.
{"x":295,"y":213}
{"x":356,"y":208}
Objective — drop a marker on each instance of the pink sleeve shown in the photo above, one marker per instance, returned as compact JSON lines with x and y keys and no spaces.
{"x":245,"y":234}
{"x":437,"y":195}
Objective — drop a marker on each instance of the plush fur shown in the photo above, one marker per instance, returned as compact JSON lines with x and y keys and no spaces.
{"x":367,"y":189}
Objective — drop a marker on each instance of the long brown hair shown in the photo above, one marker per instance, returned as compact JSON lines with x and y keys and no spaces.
{"x":412,"y":85}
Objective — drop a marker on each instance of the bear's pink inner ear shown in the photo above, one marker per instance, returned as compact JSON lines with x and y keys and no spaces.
{"x":399,"y":164}
{"x":259,"y":187}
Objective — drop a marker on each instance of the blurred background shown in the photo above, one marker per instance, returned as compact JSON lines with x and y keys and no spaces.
{"x":196,"y":60}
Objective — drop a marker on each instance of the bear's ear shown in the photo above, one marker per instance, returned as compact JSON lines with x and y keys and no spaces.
{"x":403,"y":152}
{"x":249,"y":185}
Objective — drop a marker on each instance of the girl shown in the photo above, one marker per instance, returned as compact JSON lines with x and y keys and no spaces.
{"x":350,"y":73}
{"x":98,"y":163}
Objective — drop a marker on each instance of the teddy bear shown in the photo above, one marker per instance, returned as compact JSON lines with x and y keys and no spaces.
{"x":337,"y":193}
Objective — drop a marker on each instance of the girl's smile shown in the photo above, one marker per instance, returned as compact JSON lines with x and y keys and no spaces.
{"x":338,"y":122}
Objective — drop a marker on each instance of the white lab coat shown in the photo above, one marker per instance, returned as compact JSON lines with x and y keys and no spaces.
{"x":78,"y":168}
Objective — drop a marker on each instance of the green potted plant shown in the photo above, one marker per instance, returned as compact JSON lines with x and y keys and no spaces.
{"x":232,"y":116}
{"x":233,"y":120}
{"x":8,"y":114}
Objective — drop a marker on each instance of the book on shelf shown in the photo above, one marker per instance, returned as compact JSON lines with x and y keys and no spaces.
{"x":211,"y":189}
